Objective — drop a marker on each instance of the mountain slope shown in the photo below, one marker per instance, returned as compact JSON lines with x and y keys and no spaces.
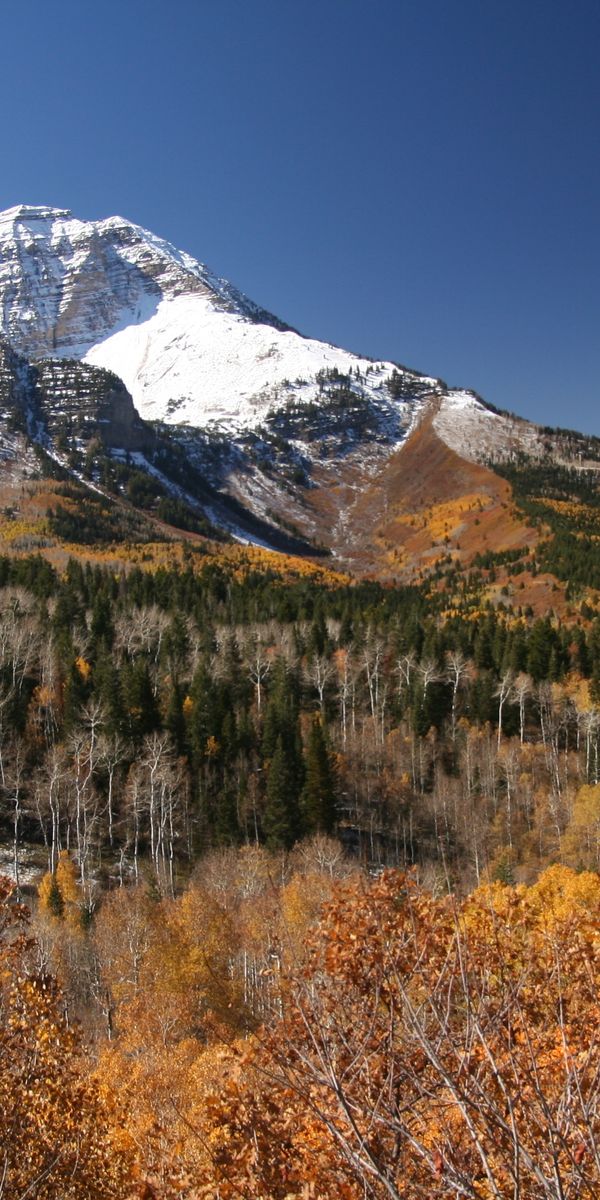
{"x":188,"y":346}
{"x":81,"y":423}
{"x":274,"y":438}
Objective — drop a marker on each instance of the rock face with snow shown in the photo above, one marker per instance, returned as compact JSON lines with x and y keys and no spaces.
{"x":58,"y":400}
{"x":189,"y":347}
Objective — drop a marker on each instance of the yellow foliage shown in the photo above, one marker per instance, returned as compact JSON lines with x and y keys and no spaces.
{"x":55,"y":1126}
{"x":83,"y":666}
{"x":49,"y":898}
{"x":580,"y":514}
{"x":12,"y":531}
{"x":579,"y":690}
{"x":301,"y":902}
{"x":212,"y":747}
{"x":483,"y":1011}
{"x":43,"y":695}
{"x":67,"y":879}
{"x":59,"y":895}
{"x":560,"y":891}
{"x":581,"y":844}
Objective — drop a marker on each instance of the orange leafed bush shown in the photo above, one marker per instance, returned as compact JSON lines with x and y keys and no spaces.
{"x":56,"y":1130}
{"x":430,"y":1048}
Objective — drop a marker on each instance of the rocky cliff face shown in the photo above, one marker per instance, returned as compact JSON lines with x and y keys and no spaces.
{"x":15,"y":379}
{"x":65,"y":283}
{"x":90,"y":403}
{"x":62,"y":401}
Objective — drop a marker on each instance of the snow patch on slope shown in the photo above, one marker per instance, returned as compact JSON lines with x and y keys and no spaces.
{"x":187,"y":364}
{"x":476,"y":432}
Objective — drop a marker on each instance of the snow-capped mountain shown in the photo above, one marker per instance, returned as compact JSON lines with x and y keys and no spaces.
{"x":259,"y":431}
{"x":189,"y":347}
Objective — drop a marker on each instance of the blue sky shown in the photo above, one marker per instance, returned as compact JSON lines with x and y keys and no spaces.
{"x":413,"y":180}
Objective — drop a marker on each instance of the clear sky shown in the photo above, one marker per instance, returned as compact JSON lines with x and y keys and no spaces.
{"x":413,"y":179}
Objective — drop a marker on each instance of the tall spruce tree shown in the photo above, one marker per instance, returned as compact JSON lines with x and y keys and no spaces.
{"x":318,"y":799}
{"x":281,"y":818}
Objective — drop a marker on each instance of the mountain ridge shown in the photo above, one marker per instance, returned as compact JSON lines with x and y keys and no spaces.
{"x":182,"y":339}
{"x":238,"y":423}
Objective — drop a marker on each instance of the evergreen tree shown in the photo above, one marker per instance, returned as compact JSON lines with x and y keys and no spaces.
{"x":281,"y":715}
{"x":54,"y":901}
{"x":281,"y":823}
{"x":318,"y":799}
{"x":177,"y":644}
{"x":318,"y":639}
{"x":101,"y":630}
{"x":581,"y":656}
{"x":541,"y":644}
{"x":175,"y":720}
{"x":483,"y":705}
{"x":516,"y":659}
{"x":346,"y":627}
{"x":225,"y":818}
{"x":142,"y":712}
{"x":483,"y":650}
{"x":107,"y":687}
{"x":202,"y":718}
{"x":76,"y":692}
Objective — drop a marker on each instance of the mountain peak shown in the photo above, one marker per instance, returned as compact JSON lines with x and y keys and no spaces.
{"x":187,"y":344}
{"x":34,"y":212}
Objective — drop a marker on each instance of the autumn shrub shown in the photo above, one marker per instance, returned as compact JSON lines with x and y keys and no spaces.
{"x":58,"y":1133}
{"x":431,"y":1047}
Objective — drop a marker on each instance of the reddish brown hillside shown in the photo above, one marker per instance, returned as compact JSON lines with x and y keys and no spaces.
{"x":424,"y":502}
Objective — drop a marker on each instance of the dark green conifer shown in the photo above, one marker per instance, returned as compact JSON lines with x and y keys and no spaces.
{"x":346,"y":627}
{"x":541,"y":643}
{"x":175,"y":720}
{"x":142,"y":711}
{"x":55,"y":902}
{"x":281,"y":822}
{"x":176,"y":645}
{"x":318,"y":799}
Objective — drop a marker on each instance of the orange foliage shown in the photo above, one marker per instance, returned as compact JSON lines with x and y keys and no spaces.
{"x":83,"y":666}
{"x":430,"y":1048}
{"x":56,"y":1130}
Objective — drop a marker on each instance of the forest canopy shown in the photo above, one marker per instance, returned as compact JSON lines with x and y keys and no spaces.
{"x":404,"y":1044}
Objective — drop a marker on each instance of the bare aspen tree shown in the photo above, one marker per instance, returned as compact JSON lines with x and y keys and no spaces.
{"x":156,"y":789}
{"x":504,"y":693}
{"x":319,"y":672}
{"x":134,"y":794}
{"x":458,"y":670}
{"x":258,"y":653}
{"x":6,"y":698}
{"x":589,"y":723}
{"x":51,"y":800}
{"x":83,"y":745}
{"x":346,"y":671}
{"x":112,"y":753}
{"x":522,"y":688}
{"x":429,"y":673}
{"x":14,"y":781}
{"x":404,"y":669}
{"x":142,"y":632}
{"x":508,"y":763}
{"x":372,"y":662}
